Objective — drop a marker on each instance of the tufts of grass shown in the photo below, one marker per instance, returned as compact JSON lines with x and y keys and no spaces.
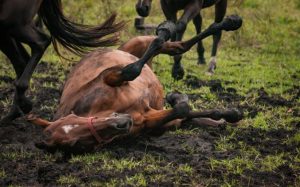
{"x":271,"y":162}
{"x":68,"y":180}
{"x":235,"y":166}
{"x":2,"y":174}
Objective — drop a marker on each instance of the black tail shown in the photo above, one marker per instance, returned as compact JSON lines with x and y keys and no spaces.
{"x":77,"y":38}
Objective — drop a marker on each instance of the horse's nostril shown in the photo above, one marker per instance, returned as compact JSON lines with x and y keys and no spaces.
{"x":122,"y":125}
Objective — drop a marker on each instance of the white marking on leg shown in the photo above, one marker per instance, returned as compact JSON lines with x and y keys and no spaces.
{"x":213,"y":59}
{"x":68,"y":128}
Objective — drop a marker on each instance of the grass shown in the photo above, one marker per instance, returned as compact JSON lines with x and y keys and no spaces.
{"x":262,"y":150}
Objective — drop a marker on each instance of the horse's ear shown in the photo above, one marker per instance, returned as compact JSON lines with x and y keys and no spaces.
{"x":37,"y":121}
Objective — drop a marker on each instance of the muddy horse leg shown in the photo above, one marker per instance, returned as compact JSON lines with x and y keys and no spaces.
{"x":220,"y":11}
{"x":38,"y":43}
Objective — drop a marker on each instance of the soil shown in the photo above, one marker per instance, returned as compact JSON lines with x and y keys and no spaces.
{"x":25,"y":164}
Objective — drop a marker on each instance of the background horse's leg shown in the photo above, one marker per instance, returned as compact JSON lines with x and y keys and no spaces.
{"x":15,"y":52}
{"x":38,"y":43}
{"x":18,"y":56}
{"x":190,"y":11}
{"x":200,"y":49}
{"x":220,"y":11}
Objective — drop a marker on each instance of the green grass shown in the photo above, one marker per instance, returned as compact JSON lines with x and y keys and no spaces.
{"x":264,"y":53}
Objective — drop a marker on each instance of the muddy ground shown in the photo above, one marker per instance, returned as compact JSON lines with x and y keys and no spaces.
{"x":26,"y":165}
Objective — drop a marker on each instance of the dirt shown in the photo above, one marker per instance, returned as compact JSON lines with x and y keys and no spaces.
{"x":25,"y":164}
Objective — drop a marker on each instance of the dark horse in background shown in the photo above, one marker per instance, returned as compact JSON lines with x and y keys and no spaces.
{"x":191,"y":11}
{"x":17,"y":26}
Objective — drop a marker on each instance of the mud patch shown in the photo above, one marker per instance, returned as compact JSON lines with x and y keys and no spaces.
{"x":228,"y":94}
{"x":273,"y":100}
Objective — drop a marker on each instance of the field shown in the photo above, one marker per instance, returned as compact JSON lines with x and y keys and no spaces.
{"x":258,"y":72}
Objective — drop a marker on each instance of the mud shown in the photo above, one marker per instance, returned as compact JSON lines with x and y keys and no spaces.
{"x":24,"y":164}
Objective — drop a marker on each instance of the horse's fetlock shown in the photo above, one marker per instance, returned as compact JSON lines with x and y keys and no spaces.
{"x":21,"y":86}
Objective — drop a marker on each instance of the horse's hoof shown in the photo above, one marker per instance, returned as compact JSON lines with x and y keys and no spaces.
{"x":209,"y":73}
{"x":26,"y":105}
{"x":12,"y":115}
{"x":233,"y":115}
{"x":182,"y":109}
{"x":177,"y":72}
{"x":176,"y":97}
{"x":211,"y":69}
{"x":201,"y":61}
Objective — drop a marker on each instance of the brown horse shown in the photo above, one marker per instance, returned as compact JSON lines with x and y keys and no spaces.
{"x":17,"y":26}
{"x":113,"y":93}
{"x":191,"y":10}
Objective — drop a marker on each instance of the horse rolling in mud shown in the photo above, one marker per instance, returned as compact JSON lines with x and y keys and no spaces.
{"x":17,"y":26}
{"x":114,"y":93}
{"x":191,"y":11}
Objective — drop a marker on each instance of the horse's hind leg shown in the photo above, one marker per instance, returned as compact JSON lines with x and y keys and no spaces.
{"x":220,"y":11}
{"x":200,"y":49}
{"x":38,"y":43}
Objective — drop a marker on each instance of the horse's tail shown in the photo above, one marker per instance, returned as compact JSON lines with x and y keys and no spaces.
{"x":77,"y":38}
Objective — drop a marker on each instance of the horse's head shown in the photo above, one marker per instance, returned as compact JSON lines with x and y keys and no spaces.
{"x":75,"y":134}
{"x":143,"y":7}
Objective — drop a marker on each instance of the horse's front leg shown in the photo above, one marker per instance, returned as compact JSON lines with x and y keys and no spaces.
{"x":220,"y":11}
{"x":164,"y":32}
{"x":190,"y":12}
{"x":38,"y":43}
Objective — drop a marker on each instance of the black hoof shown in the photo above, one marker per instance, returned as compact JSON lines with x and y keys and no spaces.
{"x":182,"y":109}
{"x":201,"y":61}
{"x":233,"y":115}
{"x":26,"y":106}
{"x":177,"y":72}
{"x":176,"y":97}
